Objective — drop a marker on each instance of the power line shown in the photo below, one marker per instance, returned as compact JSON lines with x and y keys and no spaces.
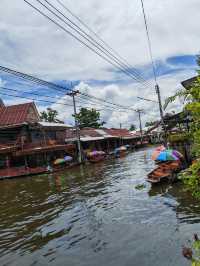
{"x":94,"y":42}
{"x":157,"y":88}
{"x":34,"y":79}
{"x":51,"y":97}
{"x":110,"y":60}
{"x":148,"y":100}
{"x":118,"y":56}
{"x":33,"y":99}
{"x":57,"y":87}
{"x":149,"y":42}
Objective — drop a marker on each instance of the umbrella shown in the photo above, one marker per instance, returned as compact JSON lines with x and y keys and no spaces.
{"x":92,"y":153}
{"x":59,"y":161}
{"x":177,"y":154}
{"x":157,"y":152}
{"x":95,"y":153}
{"x":68,"y":158}
{"x":122,"y":148}
{"x":101,"y":153}
{"x":167,"y":155}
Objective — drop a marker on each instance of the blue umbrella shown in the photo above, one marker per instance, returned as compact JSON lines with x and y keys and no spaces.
{"x":166,"y":155}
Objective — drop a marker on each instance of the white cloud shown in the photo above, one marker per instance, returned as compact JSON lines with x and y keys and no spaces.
{"x":29,"y":43}
{"x":125,"y":95}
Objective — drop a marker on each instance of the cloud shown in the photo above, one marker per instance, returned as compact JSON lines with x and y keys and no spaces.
{"x":31,"y":44}
{"x":124,"y":95}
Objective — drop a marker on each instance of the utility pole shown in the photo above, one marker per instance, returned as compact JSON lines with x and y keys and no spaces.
{"x":139,"y":111}
{"x":160,"y":103}
{"x":120,"y":134}
{"x":161,"y":112}
{"x":73,"y":94}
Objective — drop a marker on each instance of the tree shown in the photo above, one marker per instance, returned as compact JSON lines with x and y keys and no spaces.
{"x":192,"y":96}
{"x":50,"y":115}
{"x":89,"y":118}
{"x":150,"y":124}
{"x":132,"y":127}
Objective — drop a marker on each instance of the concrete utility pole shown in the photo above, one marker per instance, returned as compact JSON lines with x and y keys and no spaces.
{"x":160,"y":103}
{"x":139,"y":111}
{"x":120,"y":125}
{"x":80,"y":158}
{"x":161,"y":113}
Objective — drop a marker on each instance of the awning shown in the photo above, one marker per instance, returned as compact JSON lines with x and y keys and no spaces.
{"x":84,"y":139}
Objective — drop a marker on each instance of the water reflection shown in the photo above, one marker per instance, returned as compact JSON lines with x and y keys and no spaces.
{"x":93,"y":215}
{"x":187,"y":208}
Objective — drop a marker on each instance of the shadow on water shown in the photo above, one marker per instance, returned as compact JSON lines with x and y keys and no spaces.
{"x":93,"y":215}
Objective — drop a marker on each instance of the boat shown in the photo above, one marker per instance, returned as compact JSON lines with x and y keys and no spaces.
{"x":166,"y":171}
{"x":14,"y":172}
{"x":96,"y":156}
{"x":120,"y":152}
{"x":23,"y":171}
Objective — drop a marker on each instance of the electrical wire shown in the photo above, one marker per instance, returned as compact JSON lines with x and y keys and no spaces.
{"x":51,"y":97}
{"x":57,"y":87}
{"x":149,"y":42}
{"x":126,"y":65}
{"x":115,"y":64}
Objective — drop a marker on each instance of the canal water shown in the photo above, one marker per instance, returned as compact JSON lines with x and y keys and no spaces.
{"x":94,"y":216}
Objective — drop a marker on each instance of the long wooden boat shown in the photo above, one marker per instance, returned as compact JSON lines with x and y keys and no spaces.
{"x":96,"y":159}
{"x":164,"y":172}
{"x":23,"y":171}
{"x":15,"y":172}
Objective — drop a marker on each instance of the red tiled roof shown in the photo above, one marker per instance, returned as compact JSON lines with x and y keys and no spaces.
{"x":15,"y":114}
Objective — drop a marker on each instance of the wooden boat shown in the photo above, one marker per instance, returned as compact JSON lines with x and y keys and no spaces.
{"x":96,"y":159}
{"x":164,"y":172}
{"x":23,"y":171}
{"x":15,"y":172}
{"x":96,"y":156}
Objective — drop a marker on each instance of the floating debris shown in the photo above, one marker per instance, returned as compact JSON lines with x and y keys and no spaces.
{"x":140,"y":186}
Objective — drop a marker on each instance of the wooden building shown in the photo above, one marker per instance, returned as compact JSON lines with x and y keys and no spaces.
{"x":26,"y":143}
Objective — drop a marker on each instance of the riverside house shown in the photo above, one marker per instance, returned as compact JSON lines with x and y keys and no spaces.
{"x":28,"y":145}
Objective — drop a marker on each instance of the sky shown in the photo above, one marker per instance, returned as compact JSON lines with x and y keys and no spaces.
{"x":31,"y":44}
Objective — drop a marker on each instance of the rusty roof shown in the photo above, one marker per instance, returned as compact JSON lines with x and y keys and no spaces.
{"x":118,"y":132}
{"x":94,"y":134}
{"x":187,"y":84}
{"x":16,"y":114}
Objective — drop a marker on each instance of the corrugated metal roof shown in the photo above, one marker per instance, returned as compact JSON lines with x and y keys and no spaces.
{"x":119,"y":132}
{"x":16,"y":114}
{"x":50,"y":124}
{"x":89,"y":134}
{"x":91,"y":138}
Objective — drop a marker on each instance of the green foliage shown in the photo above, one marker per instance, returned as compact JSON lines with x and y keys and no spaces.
{"x":140,"y":186}
{"x":150,"y":123}
{"x":89,"y":118}
{"x":132,"y":127}
{"x":181,"y":93}
{"x":191,"y":178}
{"x":50,"y":116}
{"x":180,"y":137}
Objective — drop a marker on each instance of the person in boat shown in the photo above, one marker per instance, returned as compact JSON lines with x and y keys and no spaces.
{"x":49,"y":168}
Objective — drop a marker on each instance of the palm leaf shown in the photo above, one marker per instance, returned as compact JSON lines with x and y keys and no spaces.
{"x":180,"y":93}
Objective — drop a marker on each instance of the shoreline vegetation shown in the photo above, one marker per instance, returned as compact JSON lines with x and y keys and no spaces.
{"x":191,"y":176}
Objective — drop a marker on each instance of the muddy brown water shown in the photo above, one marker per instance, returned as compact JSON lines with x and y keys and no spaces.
{"x":94,"y":215}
